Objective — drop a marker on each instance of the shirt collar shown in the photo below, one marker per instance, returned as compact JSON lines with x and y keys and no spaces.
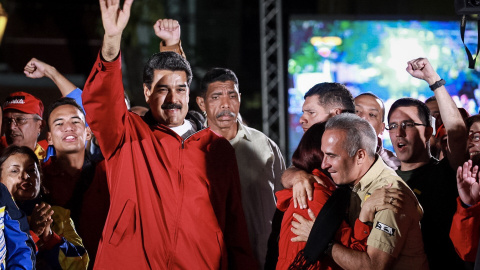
{"x":242,"y":132}
{"x":371,"y":174}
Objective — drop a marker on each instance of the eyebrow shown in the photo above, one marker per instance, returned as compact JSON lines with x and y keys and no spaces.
{"x":61,"y":118}
{"x":169,"y":86}
{"x":366,"y":107}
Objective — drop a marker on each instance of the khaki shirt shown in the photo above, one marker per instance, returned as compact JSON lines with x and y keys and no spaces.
{"x":396,"y":234}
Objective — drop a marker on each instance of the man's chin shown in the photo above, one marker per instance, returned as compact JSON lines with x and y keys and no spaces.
{"x":71,"y":150}
{"x":17,"y":142}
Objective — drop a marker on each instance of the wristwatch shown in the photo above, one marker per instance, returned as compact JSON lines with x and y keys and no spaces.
{"x":437,"y":84}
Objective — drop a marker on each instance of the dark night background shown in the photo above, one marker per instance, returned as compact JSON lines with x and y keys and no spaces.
{"x":68,"y":35}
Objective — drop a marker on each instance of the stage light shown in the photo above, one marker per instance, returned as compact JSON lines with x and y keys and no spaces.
{"x":3,"y":22}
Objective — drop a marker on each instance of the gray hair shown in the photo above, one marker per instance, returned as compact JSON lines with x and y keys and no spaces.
{"x":360,"y":134}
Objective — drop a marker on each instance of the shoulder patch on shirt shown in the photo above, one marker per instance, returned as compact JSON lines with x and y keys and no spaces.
{"x":385,"y":228}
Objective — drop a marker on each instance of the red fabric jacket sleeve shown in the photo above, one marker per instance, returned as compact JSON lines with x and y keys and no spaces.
{"x":106,"y":110}
{"x":354,"y":238}
{"x":465,"y":231}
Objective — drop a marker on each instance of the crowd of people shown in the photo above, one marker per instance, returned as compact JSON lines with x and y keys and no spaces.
{"x":114,"y":187}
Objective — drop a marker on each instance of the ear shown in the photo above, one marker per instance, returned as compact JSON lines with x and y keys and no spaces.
{"x":361,"y":156}
{"x":201,"y":103}
{"x":383,"y":127}
{"x":428,"y":133}
{"x":335,"y":111}
{"x":49,"y":138}
{"x":89,"y":133}
{"x":239,"y":97}
{"x":40,"y":126}
{"x":146,"y":92}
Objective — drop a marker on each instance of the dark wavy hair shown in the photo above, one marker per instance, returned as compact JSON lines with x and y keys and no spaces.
{"x":332,"y":95}
{"x":14,"y":149}
{"x":63,"y":101}
{"x":471,"y":120}
{"x":165,"y":61}
{"x":217,"y":75}
{"x":308,"y":155}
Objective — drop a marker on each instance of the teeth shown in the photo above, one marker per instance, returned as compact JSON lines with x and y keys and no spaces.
{"x":474,"y":153}
{"x":27,"y":185}
{"x":69,"y":137}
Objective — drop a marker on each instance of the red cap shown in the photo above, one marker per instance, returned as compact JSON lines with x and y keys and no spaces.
{"x":23,"y":102}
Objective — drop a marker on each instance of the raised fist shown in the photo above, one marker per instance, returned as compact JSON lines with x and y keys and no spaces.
{"x":168,"y":30}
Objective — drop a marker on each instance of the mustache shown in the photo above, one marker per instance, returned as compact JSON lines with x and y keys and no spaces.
{"x":170,"y":106}
{"x":225,"y":112}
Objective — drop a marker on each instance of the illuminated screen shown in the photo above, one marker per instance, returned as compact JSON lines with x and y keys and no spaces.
{"x":372,"y":55}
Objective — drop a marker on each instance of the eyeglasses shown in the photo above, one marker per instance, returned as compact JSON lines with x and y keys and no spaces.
{"x":18,"y":120}
{"x":474,"y":137}
{"x":404,"y":125}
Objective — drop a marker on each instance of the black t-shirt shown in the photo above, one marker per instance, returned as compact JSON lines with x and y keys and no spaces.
{"x":435,"y":186}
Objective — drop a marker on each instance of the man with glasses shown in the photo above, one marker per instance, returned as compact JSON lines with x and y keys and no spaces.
{"x":410,"y":128}
{"x":22,"y":122}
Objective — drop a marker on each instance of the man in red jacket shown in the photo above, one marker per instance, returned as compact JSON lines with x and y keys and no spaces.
{"x":174,"y":188}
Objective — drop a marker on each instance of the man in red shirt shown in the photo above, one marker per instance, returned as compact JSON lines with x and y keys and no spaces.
{"x":74,"y":181}
{"x":174,"y":186}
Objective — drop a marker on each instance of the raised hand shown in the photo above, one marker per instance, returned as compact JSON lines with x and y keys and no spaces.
{"x":467,"y":183}
{"x":35,"y":69}
{"x":115,"y":19}
{"x":168,"y":30}
{"x":421,"y":68}
{"x":41,"y":219}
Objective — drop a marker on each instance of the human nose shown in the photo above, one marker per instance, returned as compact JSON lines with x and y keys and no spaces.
{"x":172,"y":97}
{"x":25,"y":176}
{"x":68,"y":126}
{"x":303,"y":119}
{"x":400,"y":131}
{"x":11,"y":123}
{"x":325,"y":164}
{"x":225,"y":102}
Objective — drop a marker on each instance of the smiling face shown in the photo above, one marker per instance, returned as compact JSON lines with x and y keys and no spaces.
{"x":168,"y":97}
{"x":313,"y":112}
{"x":21,"y":129}
{"x":410,"y":144}
{"x":342,"y":168}
{"x":68,"y":132}
{"x":20,"y":174}
{"x":222,"y":104}
{"x":370,"y":109}
{"x":473,"y":142}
